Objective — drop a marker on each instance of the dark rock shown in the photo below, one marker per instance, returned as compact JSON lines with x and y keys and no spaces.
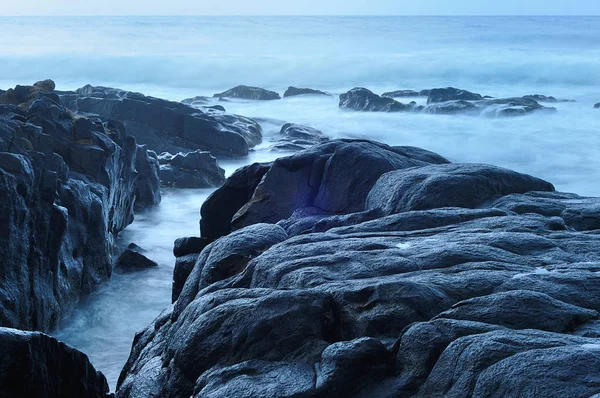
{"x":402,"y":93}
{"x":361,"y":99}
{"x":197,"y":101}
{"x":451,"y":94}
{"x":597,"y":106}
{"x":45,"y":85}
{"x":296,"y":137}
{"x":424,"y":93}
{"x":166,"y":126}
{"x":147,"y":182}
{"x":293,"y":91}
{"x":193,"y":170}
{"x":37,"y":365}
{"x":453,"y":108}
{"x":132,"y":260}
{"x":250,"y":93}
{"x":68,"y":185}
{"x":185,"y":246}
{"x":23,"y":95}
{"x":187,"y":251}
{"x":545,"y":98}
{"x":492,"y":300}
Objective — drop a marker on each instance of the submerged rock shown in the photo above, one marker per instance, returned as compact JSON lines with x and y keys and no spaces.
{"x":166,"y":126}
{"x":248,"y":92}
{"x":192,"y":170}
{"x":69,"y":184}
{"x":293,"y":91}
{"x":597,"y":106}
{"x":423,"y":278}
{"x":545,"y":98}
{"x":37,"y":365}
{"x":361,"y":99}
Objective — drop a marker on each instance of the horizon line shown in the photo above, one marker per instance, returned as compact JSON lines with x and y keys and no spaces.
{"x":296,"y":15}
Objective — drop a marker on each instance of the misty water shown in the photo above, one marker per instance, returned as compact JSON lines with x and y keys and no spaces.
{"x":177,"y":58}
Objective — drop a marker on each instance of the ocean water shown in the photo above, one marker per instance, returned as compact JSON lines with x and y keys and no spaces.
{"x":180,"y":57}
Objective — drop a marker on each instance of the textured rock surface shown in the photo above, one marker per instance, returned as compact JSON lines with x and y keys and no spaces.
{"x":68,"y":186}
{"x":451,"y":280}
{"x":451,"y":94}
{"x":597,"y":106}
{"x":166,"y":126}
{"x":362,"y":99}
{"x":293,"y":91}
{"x":248,"y":92}
{"x":192,"y":170}
{"x":36,"y":365}
{"x":402,"y":93}
{"x":295,"y":137}
{"x":133,"y":259}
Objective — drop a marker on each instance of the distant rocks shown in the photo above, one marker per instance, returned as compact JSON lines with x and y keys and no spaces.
{"x":597,"y":106}
{"x":358,"y":269}
{"x":545,"y":98}
{"x":401,"y":93}
{"x":249,"y":93}
{"x":133,"y":259}
{"x":451,"y":94}
{"x":36,"y":365}
{"x":69,"y":184}
{"x":295,"y":137}
{"x":293,"y":91}
{"x":195,"y":169}
{"x":166,"y":126}
{"x":362,"y":99}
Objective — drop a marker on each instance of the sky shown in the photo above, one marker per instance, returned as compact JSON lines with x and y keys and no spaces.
{"x":299,"y":7}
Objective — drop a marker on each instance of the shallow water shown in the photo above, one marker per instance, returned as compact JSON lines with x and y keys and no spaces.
{"x":180,"y":57}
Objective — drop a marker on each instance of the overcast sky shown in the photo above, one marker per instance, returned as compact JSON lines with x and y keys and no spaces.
{"x":300,"y":7}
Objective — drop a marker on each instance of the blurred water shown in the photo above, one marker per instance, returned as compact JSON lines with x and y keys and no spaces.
{"x":180,"y":57}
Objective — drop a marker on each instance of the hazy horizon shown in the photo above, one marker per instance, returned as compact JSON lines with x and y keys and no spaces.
{"x":300,"y":8}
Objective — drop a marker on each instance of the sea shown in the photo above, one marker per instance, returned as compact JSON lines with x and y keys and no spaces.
{"x":181,"y":57}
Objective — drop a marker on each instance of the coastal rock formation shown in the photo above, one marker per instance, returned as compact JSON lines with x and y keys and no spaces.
{"x":597,"y":106}
{"x":546,"y":98}
{"x":295,"y":137}
{"x":133,"y":259}
{"x":147,"y":183}
{"x":361,"y":99}
{"x":423,"y":278}
{"x":69,"y":186}
{"x":196,"y":169}
{"x":166,"y":126}
{"x":293,"y":91}
{"x":402,"y":93}
{"x":250,"y":93}
{"x":33,"y":364}
{"x":446,"y":101}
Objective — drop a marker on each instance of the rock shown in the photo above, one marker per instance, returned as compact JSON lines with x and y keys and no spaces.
{"x":295,"y":137}
{"x":402,"y":93}
{"x":293,"y":91}
{"x":186,"y":251}
{"x":197,"y":101}
{"x":378,"y":299}
{"x":597,"y":106}
{"x":166,"y":126}
{"x":185,"y":246}
{"x":451,"y":94}
{"x":545,"y":98}
{"x":23,"y":95}
{"x":512,"y":107}
{"x":45,"y":85}
{"x":453,"y":108}
{"x":316,"y":177}
{"x":448,"y":185}
{"x":36,"y":365}
{"x":361,"y":99}
{"x":147,"y":183}
{"x":193,"y":170}
{"x":250,"y":93}
{"x":132,"y":260}
{"x":69,"y":187}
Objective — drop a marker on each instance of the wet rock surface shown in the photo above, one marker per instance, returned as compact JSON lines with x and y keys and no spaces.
{"x":166,"y":126}
{"x":294,"y":91}
{"x":362,"y":99}
{"x":133,"y":259}
{"x":295,"y":137}
{"x":68,"y":184}
{"x":434,"y":279}
{"x":597,"y":106}
{"x":195,"y":169}
{"x":249,"y":93}
{"x":36,"y":365}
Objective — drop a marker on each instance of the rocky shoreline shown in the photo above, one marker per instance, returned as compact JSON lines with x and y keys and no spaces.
{"x":351,"y":268}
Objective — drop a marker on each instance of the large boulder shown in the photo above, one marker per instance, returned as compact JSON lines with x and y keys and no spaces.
{"x":294,"y":91}
{"x":317,"y":177}
{"x":490,"y":290}
{"x":69,"y":184}
{"x":451,"y":94}
{"x":362,"y":99}
{"x":166,"y":126}
{"x":196,"y":169}
{"x":248,"y":92}
{"x":33,"y":364}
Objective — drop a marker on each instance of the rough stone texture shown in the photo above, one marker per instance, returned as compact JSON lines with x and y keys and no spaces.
{"x":33,"y":364}
{"x":192,"y":170}
{"x":147,"y":184}
{"x":451,"y":94}
{"x":133,"y":259}
{"x":362,"y":99}
{"x":295,"y":137}
{"x":546,"y":98}
{"x":293,"y":91}
{"x":68,"y":188}
{"x":166,"y":126}
{"x":476,"y":281}
{"x":402,"y":93}
{"x":248,"y":92}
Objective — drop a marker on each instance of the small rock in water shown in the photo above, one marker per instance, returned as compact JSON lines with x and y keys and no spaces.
{"x":198,"y":169}
{"x":133,"y":260}
{"x":451,"y":94}
{"x":597,"y":106}
{"x":248,"y":92}
{"x":293,"y":91}
{"x":362,"y":99}
{"x":403,"y":93}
